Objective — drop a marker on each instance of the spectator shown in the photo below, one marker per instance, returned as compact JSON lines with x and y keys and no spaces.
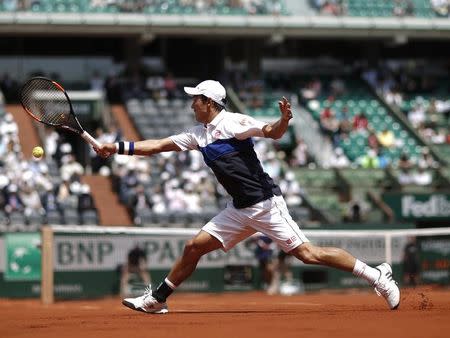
{"x":292,"y":189}
{"x":50,"y":142}
{"x":272,"y":165}
{"x":383,"y":159}
{"x":441,"y":136}
{"x":312,"y":89}
{"x":417,"y":115}
{"x":64,"y":196}
{"x":394,"y":97}
{"x":263,"y":253}
{"x":355,"y":210}
{"x":85,"y":200}
{"x":386,"y":138}
{"x":405,"y":177}
{"x":338,"y":159}
{"x":13,"y":201}
{"x":372,"y":141}
{"x":426,"y":160}
{"x":411,"y":262}
{"x":31,"y":200}
{"x":50,"y":201}
{"x":192,"y":197}
{"x":403,"y":8}
{"x":330,"y":124}
{"x":405,"y":162}
{"x":136,"y":264}
{"x":331,"y":7}
{"x":128,"y":183}
{"x":158,"y":200}
{"x":299,"y":154}
{"x":9,"y":126}
{"x":422,"y":177}
{"x":360,"y":122}
{"x":283,"y":280}
{"x":70,"y":166}
{"x":369,"y":160}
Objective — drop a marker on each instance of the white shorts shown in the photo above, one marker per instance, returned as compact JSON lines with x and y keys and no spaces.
{"x":270,"y":217}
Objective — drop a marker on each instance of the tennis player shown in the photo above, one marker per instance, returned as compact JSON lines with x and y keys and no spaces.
{"x":225,"y":141}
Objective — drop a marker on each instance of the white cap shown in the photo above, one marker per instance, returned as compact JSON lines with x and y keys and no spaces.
{"x":209,"y":88}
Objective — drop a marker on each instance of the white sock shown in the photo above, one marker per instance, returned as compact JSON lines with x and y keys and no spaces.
{"x":364,"y":271}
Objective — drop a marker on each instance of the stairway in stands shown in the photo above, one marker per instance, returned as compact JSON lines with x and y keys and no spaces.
{"x":110,"y":211}
{"x":28,"y":134}
{"x":123,"y":120}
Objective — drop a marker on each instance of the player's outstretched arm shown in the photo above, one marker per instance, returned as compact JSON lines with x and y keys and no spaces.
{"x":146,"y":148}
{"x":277,"y":129}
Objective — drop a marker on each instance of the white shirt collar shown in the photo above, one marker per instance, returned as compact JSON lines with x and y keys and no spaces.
{"x":219,"y":117}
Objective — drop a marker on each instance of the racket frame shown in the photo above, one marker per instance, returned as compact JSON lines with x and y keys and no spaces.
{"x":83,"y":133}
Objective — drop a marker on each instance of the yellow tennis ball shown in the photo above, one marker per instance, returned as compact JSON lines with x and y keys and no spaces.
{"x":38,"y":152}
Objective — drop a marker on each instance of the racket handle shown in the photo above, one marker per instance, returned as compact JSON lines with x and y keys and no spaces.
{"x":89,"y":139}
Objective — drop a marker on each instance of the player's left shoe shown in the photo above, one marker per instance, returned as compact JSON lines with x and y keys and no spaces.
{"x":146,"y":303}
{"x":387,"y":287}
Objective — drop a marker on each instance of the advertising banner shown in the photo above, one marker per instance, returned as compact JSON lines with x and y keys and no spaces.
{"x":23,"y":257}
{"x":414,"y":207}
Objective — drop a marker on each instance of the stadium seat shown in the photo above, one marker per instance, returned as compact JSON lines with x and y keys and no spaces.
{"x":34,"y":219}
{"x":144,"y":217}
{"x":71,"y":216}
{"x":17,"y":218}
{"x":89,"y":217}
{"x":53,"y":217}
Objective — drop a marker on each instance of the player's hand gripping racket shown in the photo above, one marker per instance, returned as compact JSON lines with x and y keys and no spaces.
{"x":47,"y":102}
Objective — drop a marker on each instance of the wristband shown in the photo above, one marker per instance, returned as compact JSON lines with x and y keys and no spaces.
{"x":125,"y":148}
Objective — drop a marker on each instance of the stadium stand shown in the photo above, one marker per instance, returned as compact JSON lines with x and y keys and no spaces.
{"x":36,"y":192}
{"x":421,"y":98}
{"x":376,"y":8}
{"x":170,"y":7}
{"x":354,"y":117}
{"x":366,"y":132}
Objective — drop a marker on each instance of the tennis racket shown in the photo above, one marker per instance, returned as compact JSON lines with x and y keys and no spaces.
{"x":47,"y":102}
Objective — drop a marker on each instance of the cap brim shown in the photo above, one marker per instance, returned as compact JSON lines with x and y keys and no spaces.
{"x":192,"y":91}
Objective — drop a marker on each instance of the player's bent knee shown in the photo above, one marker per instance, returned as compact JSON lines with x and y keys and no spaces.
{"x":307,"y":253}
{"x":192,"y":249}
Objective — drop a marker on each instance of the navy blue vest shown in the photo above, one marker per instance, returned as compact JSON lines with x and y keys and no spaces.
{"x":238,"y":169}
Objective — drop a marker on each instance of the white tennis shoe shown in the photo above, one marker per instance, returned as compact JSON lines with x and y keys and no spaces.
{"x":386,"y":287}
{"x":146,"y":303}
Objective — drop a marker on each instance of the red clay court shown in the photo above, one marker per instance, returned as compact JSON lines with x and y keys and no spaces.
{"x":423,"y":313}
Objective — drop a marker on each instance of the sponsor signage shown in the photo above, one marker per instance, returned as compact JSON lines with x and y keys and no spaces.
{"x":23,"y":257}
{"x":419,"y":206}
{"x":91,"y":252}
{"x":435,"y":259}
{"x":86,"y":252}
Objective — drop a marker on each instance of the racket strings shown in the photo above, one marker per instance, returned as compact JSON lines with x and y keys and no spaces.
{"x":46,"y":102}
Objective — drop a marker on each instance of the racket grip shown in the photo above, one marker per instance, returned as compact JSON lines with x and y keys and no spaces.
{"x":89,"y":139}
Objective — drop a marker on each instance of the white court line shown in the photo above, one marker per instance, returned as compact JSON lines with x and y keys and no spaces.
{"x":246,"y":310}
{"x":90,"y":307}
{"x":280,"y":303}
